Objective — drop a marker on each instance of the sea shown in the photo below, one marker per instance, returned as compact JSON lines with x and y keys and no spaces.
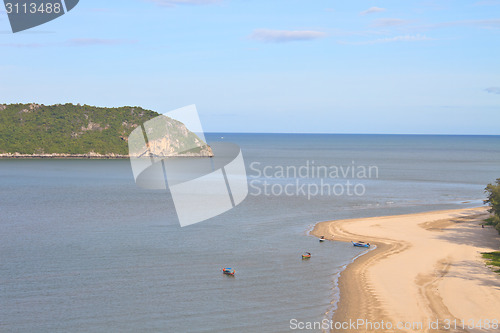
{"x":84,"y":249}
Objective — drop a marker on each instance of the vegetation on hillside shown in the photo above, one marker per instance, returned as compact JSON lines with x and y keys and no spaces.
{"x":68,"y":128}
{"x":493,"y":191}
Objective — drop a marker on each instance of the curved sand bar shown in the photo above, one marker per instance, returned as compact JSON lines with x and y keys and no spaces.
{"x":425,"y":267}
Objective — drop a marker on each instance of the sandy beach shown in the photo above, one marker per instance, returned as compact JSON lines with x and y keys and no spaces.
{"x":424,"y":273}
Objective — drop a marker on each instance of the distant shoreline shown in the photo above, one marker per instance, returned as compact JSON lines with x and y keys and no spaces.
{"x":90,"y":156}
{"x":419,"y":264}
{"x":63,"y":156}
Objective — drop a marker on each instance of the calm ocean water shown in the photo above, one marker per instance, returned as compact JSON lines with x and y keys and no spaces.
{"x":82,"y":249}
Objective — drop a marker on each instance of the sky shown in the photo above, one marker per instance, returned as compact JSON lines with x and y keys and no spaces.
{"x":277,"y":66}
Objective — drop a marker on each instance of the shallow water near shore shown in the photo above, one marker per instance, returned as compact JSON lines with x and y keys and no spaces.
{"x":83,"y":249}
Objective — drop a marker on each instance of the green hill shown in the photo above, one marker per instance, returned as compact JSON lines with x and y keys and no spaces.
{"x":68,"y":129}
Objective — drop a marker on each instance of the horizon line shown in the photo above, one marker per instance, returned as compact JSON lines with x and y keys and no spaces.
{"x":325,"y":133}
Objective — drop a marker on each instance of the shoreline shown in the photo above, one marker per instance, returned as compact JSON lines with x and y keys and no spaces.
{"x":425,"y":267}
{"x":61,"y":157}
{"x":92,"y":156}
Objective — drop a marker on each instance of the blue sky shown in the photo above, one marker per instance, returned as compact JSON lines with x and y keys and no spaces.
{"x":298,"y":66}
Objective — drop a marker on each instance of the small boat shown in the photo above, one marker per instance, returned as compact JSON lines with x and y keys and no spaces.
{"x":360,"y":244}
{"x":322,"y":239}
{"x":228,"y":271}
{"x":306,"y":255}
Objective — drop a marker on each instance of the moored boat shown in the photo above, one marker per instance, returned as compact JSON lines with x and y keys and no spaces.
{"x":322,"y":239}
{"x":360,"y":244}
{"x":228,"y":271}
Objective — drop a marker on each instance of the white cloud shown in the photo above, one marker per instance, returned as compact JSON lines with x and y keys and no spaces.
{"x":24,"y":45}
{"x":493,"y":90}
{"x":390,"y":22}
{"x":405,"y":38}
{"x":100,"y":10}
{"x":364,"y":33}
{"x":493,"y":23}
{"x":487,"y":3}
{"x":172,"y":3}
{"x":282,"y":36}
{"x":97,"y":41}
{"x":486,"y":23}
{"x":73,"y":42}
{"x":373,"y":10}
